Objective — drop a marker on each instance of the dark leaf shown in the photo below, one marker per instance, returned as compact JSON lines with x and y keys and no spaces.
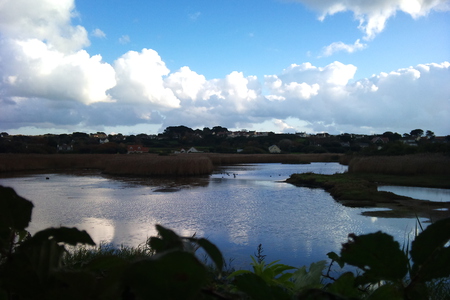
{"x":212,"y":251}
{"x":15,"y":211}
{"x":170,"y":240}
{"x":257,"y":288}
{"x":387,"y":291}
{"x":428,"y":252}
{"x":171,"y":275}
{"x":334,"y":257}
{"x":377,"y":254}
{"x":71,"y":236}
{"x":345,"y":286}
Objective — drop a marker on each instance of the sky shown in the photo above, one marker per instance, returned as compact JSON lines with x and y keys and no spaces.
{"x":286,"y":66}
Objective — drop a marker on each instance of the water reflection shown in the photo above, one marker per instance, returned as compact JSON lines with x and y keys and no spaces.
{"x":432,"y":194}
{"x":236,"y":212}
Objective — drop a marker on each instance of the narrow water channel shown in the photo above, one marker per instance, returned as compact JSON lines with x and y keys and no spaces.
{"x":237,"y":208}
{"x":421,"y":193}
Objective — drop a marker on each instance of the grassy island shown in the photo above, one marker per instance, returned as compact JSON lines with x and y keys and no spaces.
{"x":358,"y":187}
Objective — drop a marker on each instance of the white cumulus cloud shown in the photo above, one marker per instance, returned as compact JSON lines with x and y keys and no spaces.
{"x":98,"y":33}
{"x":33,"y":69}
{"x":124,"y":39}
{"x":140,"y":80}
{"x":340,"y":46}
{"x":373,"y":15}
{"x":47,"y":20}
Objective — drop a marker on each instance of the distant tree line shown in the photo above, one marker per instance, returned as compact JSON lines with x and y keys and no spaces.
{"x":220,"y":140}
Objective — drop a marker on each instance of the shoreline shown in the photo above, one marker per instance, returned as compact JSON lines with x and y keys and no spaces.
{"x":360,"y":190}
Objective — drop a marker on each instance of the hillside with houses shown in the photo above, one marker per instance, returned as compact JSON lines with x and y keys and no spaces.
{"x":185,"y":140}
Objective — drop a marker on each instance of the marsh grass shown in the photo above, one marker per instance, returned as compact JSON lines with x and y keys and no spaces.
{"x":146,"y":164}
{"x":353,"y":190}
{"x":152,"y":165}
{"x":232,"y":159}
{"x":81,"y":255}
{"x":416,"y":164}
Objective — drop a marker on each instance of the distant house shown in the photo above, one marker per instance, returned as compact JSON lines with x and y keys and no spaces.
{"x":193,"y":150}
{"x":274,"y":149}
{"x":103,"y":141}
{"x":181,"y":151}
{"x":440,"y":139}
{"x":137,"y":149}
{"x":64,"y":148}
{"x":380,"y":140}
{"x":409,"y":141}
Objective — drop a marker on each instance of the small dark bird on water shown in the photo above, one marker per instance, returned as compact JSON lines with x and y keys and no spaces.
{"x":47,"y":178}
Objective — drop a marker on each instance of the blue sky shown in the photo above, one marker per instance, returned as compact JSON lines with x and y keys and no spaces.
{"x":283,"y":66}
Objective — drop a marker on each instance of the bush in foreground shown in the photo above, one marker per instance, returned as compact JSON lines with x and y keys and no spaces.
{"x":167,"y":267}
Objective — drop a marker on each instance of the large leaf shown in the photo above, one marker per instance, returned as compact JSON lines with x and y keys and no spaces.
{"x":71,"y":236}
{"x":212,"y":251}
{"x":309,"y":279}
{"x":428,"y":252}
{"x":171,"y":275}
{"x":377,"y":254}
{"x":255,"y":287}
{"x":168,"y":240}
{"x":388,"y":291}
{"x":334,"y":257}
{"x":345,"y":286}
{"x":15,"y":211}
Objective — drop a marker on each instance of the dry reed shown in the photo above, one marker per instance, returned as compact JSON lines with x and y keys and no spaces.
{"x":417,"y":164}
{"x":231,"y":159}
{"x":153,"y":165}
{"x":146,"y":164}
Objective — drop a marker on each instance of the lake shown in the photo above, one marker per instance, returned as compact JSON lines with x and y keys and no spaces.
{"x":237,"y":208}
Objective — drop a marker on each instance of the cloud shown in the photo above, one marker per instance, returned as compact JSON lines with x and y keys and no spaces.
{"x":124,"y":39}
{"x":35,"y":69}
{"x":373,"y":15}
{"x":46,"y":20}
{"x":140,"y":80}
{"x":98,"y":33}
{"x":48,"y":80}
{"x":325,"y":98}
{"x":283,"y":126}
{"x":194,"y":16}
{"x":186,"y":84}
{"x":340,"y":46}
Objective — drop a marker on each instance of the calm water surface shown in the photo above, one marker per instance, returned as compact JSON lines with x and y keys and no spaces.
{"x":432,"y":194}
{"x":237,"y":208}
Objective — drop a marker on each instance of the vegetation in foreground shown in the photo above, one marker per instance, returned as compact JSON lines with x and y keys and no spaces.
{"x":168,"y":267}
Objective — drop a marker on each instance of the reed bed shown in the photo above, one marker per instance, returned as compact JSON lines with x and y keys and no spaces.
{"x":153,"y":165}
{"x":44,"y":162}
{"x":416,"y":164}
{"x":146,"y":164}
{"x":232,"y":159}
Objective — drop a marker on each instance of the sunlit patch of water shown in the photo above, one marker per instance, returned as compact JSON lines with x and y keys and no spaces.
{"x":421,"y":193}
{"x":236,"y":212}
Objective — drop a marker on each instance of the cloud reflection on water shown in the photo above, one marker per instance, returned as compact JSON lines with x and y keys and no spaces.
{"x":296,"y":225}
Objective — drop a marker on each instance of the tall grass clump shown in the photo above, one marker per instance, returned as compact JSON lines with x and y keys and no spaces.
{"x":415,"y":164}
{"x":147,"y":164}
{"x":44,"y":162}
{"x":77,"y":257}
{"x":232,"y":159}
